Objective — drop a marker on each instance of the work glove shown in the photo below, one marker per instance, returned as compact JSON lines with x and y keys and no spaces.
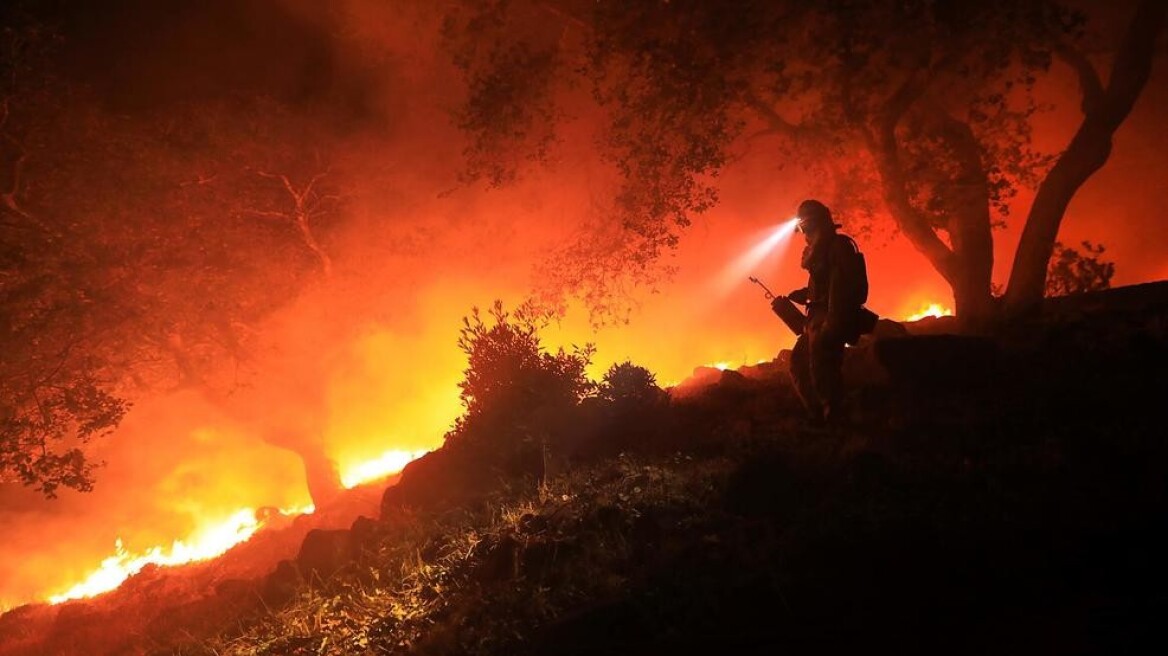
{"x":800,"y":296}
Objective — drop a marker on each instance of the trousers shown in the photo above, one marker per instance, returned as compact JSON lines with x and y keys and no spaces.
{"x":816,"y":370}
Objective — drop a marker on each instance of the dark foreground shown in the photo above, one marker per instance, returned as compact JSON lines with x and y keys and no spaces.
{"x":1001,"y":496}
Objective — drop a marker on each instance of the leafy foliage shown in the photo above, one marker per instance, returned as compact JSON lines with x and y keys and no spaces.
{"x":626,"y":382}
{"x":515,"y":392}
{"x":508,"y":368}
{"x":1074,"y":272}
{"x":136,"y":253}
{"x":922,"y":112}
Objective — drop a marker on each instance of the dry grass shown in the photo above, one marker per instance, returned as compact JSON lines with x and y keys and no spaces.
{"x":476,"y":581}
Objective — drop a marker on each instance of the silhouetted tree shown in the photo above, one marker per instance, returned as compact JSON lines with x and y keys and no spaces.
{"x":126,"y":265}
{"x":918,"y":111}
{"x":56,"y":387}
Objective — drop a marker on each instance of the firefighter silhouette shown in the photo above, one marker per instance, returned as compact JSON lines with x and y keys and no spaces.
{"x":837,"y":288}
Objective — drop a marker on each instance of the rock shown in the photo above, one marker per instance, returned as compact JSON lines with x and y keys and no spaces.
{"x":888,"y":328}
{"x":279,"y":587}
{"x":439,"y":479}
{"x":764,"y":371}
{"x":365,"y":534}
{"x":531,"y":523}
{"x":323,"y":552}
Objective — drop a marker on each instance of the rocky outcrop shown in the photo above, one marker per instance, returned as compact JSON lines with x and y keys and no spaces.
{"x":323,"y":552}
{"x":440,"y":479}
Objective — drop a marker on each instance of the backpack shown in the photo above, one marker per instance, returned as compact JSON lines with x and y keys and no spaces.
{"x":854,"y":271}
{"x":854,"y":274}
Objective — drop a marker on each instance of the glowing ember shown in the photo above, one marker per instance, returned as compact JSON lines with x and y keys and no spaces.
{"x":933,"y":310}
{"x":390,"y":462}
{"x":211,"y":541}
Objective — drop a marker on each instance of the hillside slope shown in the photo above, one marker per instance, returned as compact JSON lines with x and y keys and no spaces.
{"x":991,"y":496}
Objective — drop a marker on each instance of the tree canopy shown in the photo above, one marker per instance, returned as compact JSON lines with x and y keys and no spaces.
{"x":921,"y":112}
{"x":137,"y":253}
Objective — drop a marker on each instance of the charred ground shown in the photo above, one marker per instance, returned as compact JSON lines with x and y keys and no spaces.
{"x":994,"y":495}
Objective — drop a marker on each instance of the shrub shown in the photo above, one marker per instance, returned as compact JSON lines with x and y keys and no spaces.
{"x":1072,"y":272}
{"x":514,"y":391}
{"x":627,"y":383}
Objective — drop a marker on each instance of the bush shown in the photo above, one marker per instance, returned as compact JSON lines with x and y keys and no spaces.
{"x":1072,"y":272}
{"x":515,"y":392}
{"x":627,"y":383}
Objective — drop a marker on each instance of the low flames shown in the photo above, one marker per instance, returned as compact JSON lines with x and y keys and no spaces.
{"x":213,"y":539}
{"x":390,"y":462}
{"x":218,"y":535}
{"x":931,"y":310}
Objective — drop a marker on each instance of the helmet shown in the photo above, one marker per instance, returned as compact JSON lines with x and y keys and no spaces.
{"x":813,"y":215}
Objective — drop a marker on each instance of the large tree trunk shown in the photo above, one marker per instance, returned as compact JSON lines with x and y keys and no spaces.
{"x":973,"y":299}
{"x":324,"y":481}
{"x":970,"y":230}
{"x":1105,"y":109}
{"x":973,"y":250}
{"x":967,"y":262}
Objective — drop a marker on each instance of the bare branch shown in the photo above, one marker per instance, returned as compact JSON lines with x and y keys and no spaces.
{"x":283,"y":179}
{"x":267,"y":214}
{"x":312,"y":183}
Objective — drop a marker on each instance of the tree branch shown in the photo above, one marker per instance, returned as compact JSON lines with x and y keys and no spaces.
{"x":1087,"y":152}
{"x":1133,"y":62}
{"x":1089,"y":82}
{"x":886,"y":151}
{"x":776,"y":121}
{"x":266,"y":214}
{"x":283,"y":179}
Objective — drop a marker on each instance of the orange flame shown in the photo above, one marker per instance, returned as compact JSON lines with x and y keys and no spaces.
{"x":931,"y":310}
{"x":216,"y":537}
{"x":390,"y":462}
{"x":213,"y":540}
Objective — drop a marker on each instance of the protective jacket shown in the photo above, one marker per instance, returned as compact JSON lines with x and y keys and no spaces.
{"x":837,"y":285}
